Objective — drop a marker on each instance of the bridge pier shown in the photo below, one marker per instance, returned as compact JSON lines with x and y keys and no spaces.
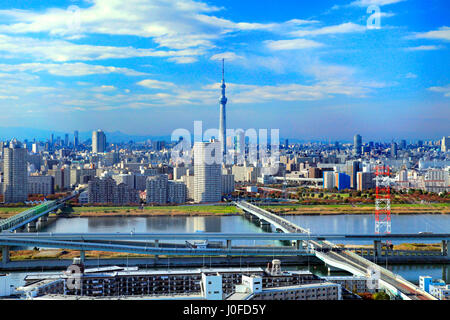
{"x":298,"y":244}
{"x":377,"y":247}
{"x":444,"y":248}
{"x":228,"y":244}
{"x":82,"y":256}
{"x":43,"y":218}
{"x":156,"y":246}
{"x":5,"y":255}
{"x":31,"y":226}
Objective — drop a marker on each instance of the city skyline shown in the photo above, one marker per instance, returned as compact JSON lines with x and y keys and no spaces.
{"x":314,"y":70}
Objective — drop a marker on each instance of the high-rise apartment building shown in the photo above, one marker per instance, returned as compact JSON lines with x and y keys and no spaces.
{"x":15,"y":173}
{"x":107,"y":191}
{"x":177,"y":192}
{"x":98,"y":141}
{"x":207,"y":172}
{"x":365,"y":180}
{"x":157,"y":189}
{"x":38,"y":184}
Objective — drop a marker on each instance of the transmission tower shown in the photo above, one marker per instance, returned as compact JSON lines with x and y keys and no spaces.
{"x":382,"y":200}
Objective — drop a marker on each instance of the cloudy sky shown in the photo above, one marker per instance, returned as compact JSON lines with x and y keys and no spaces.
{"x":313,"y":69}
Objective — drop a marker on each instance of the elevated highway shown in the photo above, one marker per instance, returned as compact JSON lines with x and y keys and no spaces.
{"x":220,"y":236}
{"x":348,"y":261}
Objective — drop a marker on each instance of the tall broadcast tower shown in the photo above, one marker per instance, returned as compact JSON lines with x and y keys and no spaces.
{"x":382,"y":200}
{"x":223,"y":117}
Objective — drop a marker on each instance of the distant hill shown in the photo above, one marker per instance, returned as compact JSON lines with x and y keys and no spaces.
{"x":22,"y":133}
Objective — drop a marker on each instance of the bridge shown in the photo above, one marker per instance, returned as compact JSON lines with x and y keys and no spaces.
{"x":345,"y":260}
{"x":219,"y":236}
{"x":29,"y":216}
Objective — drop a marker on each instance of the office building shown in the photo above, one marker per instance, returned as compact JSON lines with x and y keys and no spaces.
{"x":61,"y":177}
{"x":445,"y":144}
{"x":394,"y":150}
{"x":15,"y":173}
{"x":357,"y":143}
{"x":75,"y":138}
{"x":227,"y":183}
{"x":207,"y":172}
{"x":98,"y":141}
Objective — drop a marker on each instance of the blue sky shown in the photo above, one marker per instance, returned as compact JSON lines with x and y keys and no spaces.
{"x":313,"y":69}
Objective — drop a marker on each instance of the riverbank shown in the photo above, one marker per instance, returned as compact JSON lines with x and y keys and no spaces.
{"x":229,"y":210}
{"x":438,"y":208}
{"x":195,"y":210}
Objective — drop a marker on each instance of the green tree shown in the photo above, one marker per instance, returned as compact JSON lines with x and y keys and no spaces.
{"x":381,"y":296}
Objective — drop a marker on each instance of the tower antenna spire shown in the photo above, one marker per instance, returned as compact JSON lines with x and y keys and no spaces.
{"x":223,"y":69}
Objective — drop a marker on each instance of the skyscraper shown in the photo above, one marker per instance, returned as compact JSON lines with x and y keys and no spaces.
{"x":98,"y":141}
{"x":445,"y":144}
{"x":357,"y":143}
{"x":75,"y":138}
{"x":66,"y":139}
{"x":223,"y":123}
{"x":393,"y":150}
{"x":15,"y":182}
{"x":207,"y":172}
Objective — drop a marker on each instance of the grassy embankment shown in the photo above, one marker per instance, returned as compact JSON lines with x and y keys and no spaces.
{"x":207,"y":210}
{"x":212,"y":210}
{"x":434,"y":208}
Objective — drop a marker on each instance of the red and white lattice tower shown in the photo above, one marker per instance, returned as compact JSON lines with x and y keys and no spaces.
{"x":382,"y":200}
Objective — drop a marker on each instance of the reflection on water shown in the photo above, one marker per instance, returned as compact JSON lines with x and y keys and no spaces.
{"x":158,"y":224}
{"x":365,"y":223}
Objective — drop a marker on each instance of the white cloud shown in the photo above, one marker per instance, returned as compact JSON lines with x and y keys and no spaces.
{"x":68,"y":69}
{"x":62,"y":51}
{"x":229,"y":56}
{"x":443,"y":33}
{"x":445,"y":90}
{"x":410,"y":75}
{"x":423,"y":48}
{"x":104,"y":88}
{"x":155,"y":84}
{"x":9,"y":97}
{"x":348,"y":27}
{"x":366,"y":3}
{"x":183,"y":60}
{"x":174,"y":24}
{"x":292,"y":44}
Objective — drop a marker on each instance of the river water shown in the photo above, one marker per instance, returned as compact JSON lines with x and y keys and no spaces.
{"x":330,"y":224}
